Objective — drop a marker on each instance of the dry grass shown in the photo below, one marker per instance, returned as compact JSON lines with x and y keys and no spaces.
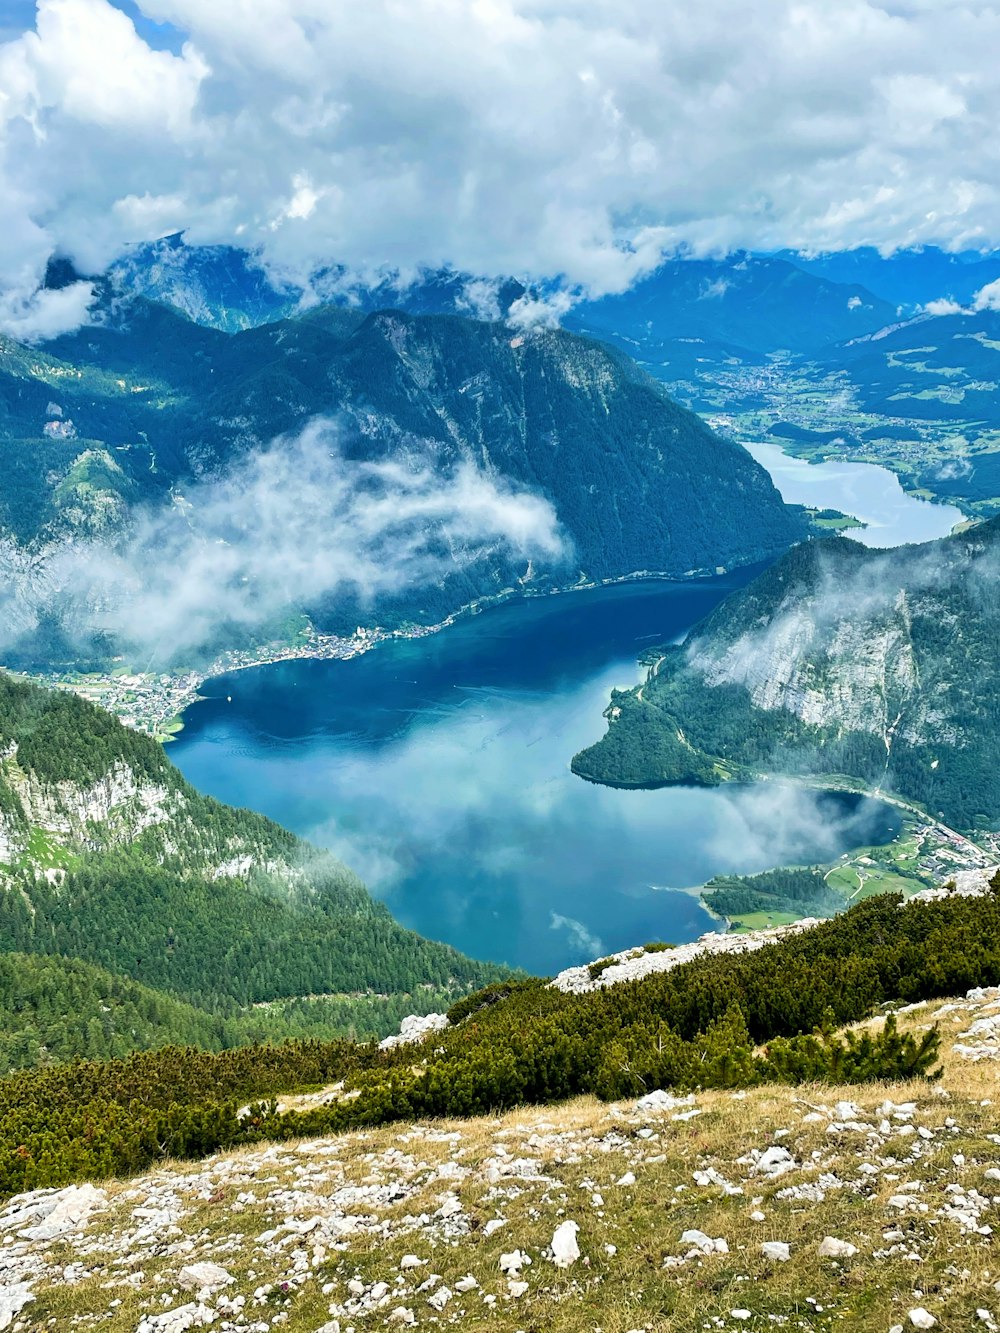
{"x":919,"y":1255}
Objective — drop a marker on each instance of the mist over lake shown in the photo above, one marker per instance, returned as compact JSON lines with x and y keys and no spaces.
{"x":438,"y":769}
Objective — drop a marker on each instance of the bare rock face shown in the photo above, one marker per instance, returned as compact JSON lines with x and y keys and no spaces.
{"x":45,"y":1214}
{"x":414,"y":1028}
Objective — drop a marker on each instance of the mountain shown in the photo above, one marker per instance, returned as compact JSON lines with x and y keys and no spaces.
{"x":224,"y":288}
{"x":752,"y":302}
{"x":906,"y":278}
{"x":682,"y":1211}
{"x":147,"y":410}
{"x":139,"y":898}
{"x":839,"y":660}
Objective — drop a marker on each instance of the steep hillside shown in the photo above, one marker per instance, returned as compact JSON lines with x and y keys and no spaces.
{"x":151,"y":412}
{"x":108,"y":856}
{"x":838,"y":660}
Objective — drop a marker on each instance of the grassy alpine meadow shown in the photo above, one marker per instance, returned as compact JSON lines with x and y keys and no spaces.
{"x":872,"y":1202}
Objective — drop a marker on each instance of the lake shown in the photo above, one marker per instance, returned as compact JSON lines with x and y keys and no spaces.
{"x":866,"y":491}
{"x":438,"y":769}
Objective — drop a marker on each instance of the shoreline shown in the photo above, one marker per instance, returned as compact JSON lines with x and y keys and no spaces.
{"x":149,"y":701}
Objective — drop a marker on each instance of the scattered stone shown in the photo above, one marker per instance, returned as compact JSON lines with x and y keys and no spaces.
{"x":203,"y":1277}
{"x":194,"y":1315}
{"x":776,"y":1250}
{"x":921,"y":1318}
{"x":660,"y":1102}
{"x":565,"y":1250}
{"x":704,"y":1244}
{"x":414,"y":1028}
{"x":13,"y":1298}
{"x":831,"y":1248}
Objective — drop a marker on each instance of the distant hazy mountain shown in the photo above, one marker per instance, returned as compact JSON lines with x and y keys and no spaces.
{"x":907,"y":278}
{"x":224,"y":288}
{"x":944,"y":368}
{"x":839,"y":659}
{"x":757,"y":303}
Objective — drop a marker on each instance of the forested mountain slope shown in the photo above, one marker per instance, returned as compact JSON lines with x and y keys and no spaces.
{"x":107,"y":855}
{"x":839,"y":659}
{"x":143,"y":412}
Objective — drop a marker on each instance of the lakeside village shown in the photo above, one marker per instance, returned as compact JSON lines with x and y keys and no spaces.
{"x":152,"y":702}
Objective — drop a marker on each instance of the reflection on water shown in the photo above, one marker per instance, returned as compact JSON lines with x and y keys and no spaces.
{"x":867,"y":492}
{"x":438,"y":769}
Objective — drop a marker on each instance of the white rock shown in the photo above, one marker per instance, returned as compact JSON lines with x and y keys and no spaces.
{"x":775,"y":1250}
{"x":629,"y":1179}
{"x":921,"y":1318}
{"x":440,"y":1298}
{"x":704,"y":1244}
{"x":14,"y":1297}
{"x":773,"y":1162}
{"x":467,"y":1283}
{"x":740,"y":1314}
{"x":66,"y":1210}
{"x":565,"y":1250}
{"x":516,"y":1289}
{"x":401,"y":1315}
{"x":757,"y":1216}
{"x":660,"y":1102}
{"x":202,"y":1277}
{"x":494,"y":1224}
{"x":411,"y":1260}
{"x":194,"y":1315}
{"x":513,"y":1261}
{"x":831,"y":1248}
{"x":413,"y":1028}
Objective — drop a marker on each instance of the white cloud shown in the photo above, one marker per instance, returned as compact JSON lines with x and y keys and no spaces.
{"x":944,"y":305}
{"x":569,"y":139}
{"x":539,"y":312}
{"x":32,"y":316}
{"x":988,"y":297}
{"x":284,"y":528}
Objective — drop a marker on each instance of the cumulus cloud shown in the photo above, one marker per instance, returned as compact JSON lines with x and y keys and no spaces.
{"x":539,"y":311}
{"x":988,"y":297}
{"x":32,"y":315}
{"x":550,"y":139}
{"x":944,"y":305}
{"x":287,"y":527}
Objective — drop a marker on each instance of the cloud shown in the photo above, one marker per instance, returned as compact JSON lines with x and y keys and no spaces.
{"x":34,"y":315}
{"x":944,"y":305}
{"x":533,"y":311}
{"x":575,"y":140}
{"x":288,"y":527}
{"x":988,"y":297}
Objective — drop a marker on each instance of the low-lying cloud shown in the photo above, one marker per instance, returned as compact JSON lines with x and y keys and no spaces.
{"x":286,"y":527}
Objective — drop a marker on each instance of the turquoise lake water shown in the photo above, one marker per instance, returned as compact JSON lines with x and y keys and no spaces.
{"x":438,"y":769}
